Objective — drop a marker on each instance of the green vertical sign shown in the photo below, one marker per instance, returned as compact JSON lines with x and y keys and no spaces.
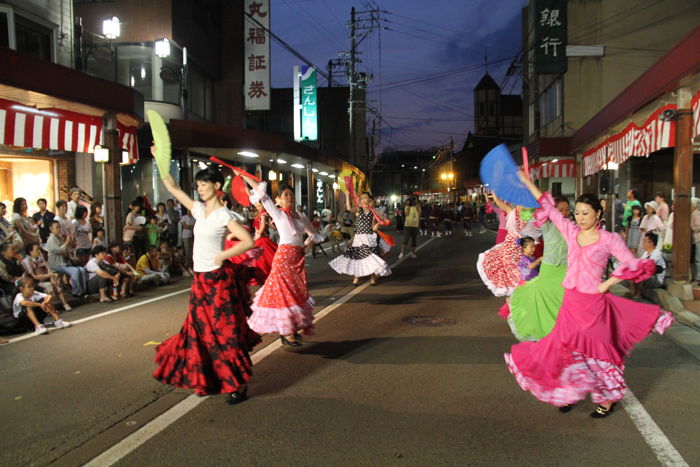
{"x":550,"y":36}
{"x":309,"y":104}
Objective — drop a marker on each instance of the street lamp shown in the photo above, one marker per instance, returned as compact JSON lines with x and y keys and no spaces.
{"x":100,"y":154}
{"x":111,"y":28}
{"x":162,"y":47}
{"x":174,"y":72}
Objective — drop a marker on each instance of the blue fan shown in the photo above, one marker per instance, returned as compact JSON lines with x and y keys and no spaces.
{"x":499,"y":172}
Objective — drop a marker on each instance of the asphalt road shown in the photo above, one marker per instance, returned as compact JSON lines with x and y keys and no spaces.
{"x":375,"y":386}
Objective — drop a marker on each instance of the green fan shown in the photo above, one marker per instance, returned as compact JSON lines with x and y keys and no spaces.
{"x":161,"y":137}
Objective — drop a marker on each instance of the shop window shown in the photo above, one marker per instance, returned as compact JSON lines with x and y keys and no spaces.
{"x":4,"y":29}
{"x":135,"y":68}
{"x":556,"y":189}
{"x":33,"y":39}
{"x":26,"y":178}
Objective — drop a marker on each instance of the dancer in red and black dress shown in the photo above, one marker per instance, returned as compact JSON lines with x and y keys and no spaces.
{"x":210,"y":354}
{"x":283,"y":305}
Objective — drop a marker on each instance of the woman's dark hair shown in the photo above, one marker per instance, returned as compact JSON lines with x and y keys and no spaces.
{"x":28,"y":249}
{"x":17,"y":205}
{"x":411,"y":201}
{"x":52,"y":223}
{"x":661,"y":195}
{"x":368,"y":194}
{"x":60,"y":203}
{"x":561,"y":199}
{"x":210,"y":175}
{"x":635,"y":193}
{"x":93,"y":208}
{"x":159,"y":205}
{"x":590,"y":200}
{"x":638,"y":208}
{"x":282,"y":187}
{"x":98,"y":230}
{"x":525,"y":241}
{"x":80,"y":212}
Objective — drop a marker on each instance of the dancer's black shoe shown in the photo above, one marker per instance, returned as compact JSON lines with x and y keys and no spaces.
{"x":298,"y":336}
{"x":291,"y":343}
{"x":602,"y":412}
{"x":566,"y":408}
{"x":237,"y":397}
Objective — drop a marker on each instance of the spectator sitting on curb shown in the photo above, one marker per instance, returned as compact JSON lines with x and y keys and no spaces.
{"x":149,"y":266}
{"x":10,"y":269}
{"x":170,"y":260}
{"x":59,"y":249}
{"x":31,"y":307}
{"x":100,"y":279}
{"x":649,"y":251}
{"x":115,"y":257}
{"x":99,"y":237}
{"x":35,"y":266}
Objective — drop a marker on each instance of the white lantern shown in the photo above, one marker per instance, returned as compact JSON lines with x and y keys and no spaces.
{"x":272,"y":175}
{"x":111,"y":28}
{"x":163,"y":48}
{"x":100,"y":154}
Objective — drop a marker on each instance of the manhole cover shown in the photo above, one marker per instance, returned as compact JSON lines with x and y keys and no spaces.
{"x":429,"y":321}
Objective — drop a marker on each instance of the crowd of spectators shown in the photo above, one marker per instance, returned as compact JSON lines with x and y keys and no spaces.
{"x":51,"y":258}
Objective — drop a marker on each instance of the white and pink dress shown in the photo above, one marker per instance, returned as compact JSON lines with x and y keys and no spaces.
{"x":594,"y":332}
{"x":283,"y":304}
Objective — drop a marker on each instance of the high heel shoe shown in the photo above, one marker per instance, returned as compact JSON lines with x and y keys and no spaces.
{"x":237,"y":397}
{"x":298,"y":336}
{"x":602,"y":412}
{"x":566,"y":408}
{"x":291,"y":343}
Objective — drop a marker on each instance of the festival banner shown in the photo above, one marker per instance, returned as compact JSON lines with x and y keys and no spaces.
{"x":257,"y":54}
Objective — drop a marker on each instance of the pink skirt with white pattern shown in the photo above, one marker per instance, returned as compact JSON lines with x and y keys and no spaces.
{"x":283,"y":304}
{"x":585,"y":351}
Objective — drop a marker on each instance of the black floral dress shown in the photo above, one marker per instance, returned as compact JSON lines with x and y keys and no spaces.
{"x":210,"y":354}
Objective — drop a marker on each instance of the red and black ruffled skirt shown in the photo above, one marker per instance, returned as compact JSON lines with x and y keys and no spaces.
{"x":210,"y":354}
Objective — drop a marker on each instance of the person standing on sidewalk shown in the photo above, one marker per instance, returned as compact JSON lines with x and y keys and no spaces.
{"x":210,"y":354}
{"x":187,"y":222}
{"x":411,"y":225}
{"x":595,"y":330}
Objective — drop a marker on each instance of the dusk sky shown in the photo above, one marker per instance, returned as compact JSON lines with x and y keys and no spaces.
{"x":425,"y":38}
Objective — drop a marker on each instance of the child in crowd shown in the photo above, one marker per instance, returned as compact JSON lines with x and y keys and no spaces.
{"x":99,"y":239}
{"x":153,"y":231}
{"x":130,"y":258}
{"x":529,"y":266}
{"x":334,"y":235}
{"x":170,"y":260}
{"x":32,"y":307}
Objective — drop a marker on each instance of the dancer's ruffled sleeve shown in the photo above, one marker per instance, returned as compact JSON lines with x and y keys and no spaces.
{"x":548,"y":211}
{"x":259,"y":195}
{"x":631,"y":267}
{"x":313,"y":235}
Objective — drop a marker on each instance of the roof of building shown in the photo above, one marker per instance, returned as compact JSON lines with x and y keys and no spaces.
{"x":487,"y":83}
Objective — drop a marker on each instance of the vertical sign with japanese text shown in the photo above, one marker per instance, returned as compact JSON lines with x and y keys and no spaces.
{"x":550,"y":36}
{"x":309,"y":104}
{"x":257,"y":54}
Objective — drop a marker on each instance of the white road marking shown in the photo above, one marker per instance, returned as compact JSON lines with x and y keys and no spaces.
{"x":650,"y":431}
{"x":107,"y":313}
{"x":117,"y":452}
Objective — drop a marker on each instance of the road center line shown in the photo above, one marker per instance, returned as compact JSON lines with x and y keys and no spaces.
{"x":107,"y":313}
{"x":167,"y":418}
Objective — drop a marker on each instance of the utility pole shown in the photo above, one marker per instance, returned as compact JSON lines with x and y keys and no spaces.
{"x":362,"y":23}
{"x":682,"y":184}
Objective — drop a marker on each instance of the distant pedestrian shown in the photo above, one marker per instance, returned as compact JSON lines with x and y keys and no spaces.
{"x":467,"y":218}
{"x":411,"y":228}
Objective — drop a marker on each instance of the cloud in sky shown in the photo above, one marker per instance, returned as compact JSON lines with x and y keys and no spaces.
{"x":424,"y":38}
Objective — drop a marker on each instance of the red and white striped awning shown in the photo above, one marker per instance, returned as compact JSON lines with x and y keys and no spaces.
{"x":555,"y":168}
{"x":695,"y":105}
{"x":632,"y":141}
{"x":57,"y":129}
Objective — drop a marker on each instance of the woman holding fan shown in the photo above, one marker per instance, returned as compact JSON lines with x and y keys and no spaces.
{"x":210,"y":354}
{"x":283,"y":305}
{"x":498,"y":266}
{"x":594,"y":330}
{"x":362,"y":258}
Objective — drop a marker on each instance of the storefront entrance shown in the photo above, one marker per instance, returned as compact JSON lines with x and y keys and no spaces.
{"x":29,"y":178}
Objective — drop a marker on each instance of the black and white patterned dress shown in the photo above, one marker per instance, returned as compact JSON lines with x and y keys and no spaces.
{"x":363,"y":258}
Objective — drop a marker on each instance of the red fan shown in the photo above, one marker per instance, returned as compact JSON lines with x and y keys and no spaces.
{"x":350,"y":185}
{"x":387,"y":238}
{"x":239,"y":190}
{"x":236,"y":170}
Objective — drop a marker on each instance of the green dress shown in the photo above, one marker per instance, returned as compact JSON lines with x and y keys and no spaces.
{"x":534,"y":306}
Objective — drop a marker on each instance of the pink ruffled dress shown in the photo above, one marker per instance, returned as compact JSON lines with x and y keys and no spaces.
{"x":594,"y":332}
